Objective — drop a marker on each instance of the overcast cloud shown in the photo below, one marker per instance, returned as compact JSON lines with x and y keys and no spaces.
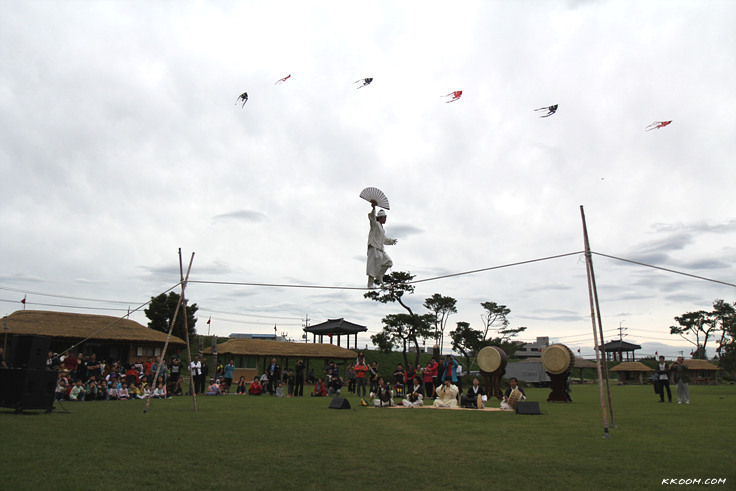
{"x":121,"y":141}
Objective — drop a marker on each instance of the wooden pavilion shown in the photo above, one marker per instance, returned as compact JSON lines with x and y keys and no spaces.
{"x":617,"y":348}
{"x":581,"y":364}
{"x":336,"y":328}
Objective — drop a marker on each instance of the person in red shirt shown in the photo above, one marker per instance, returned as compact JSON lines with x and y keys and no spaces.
{"x":361,"y":369}
{"x":430,"y":375}
{"x":319,"y":389}
{"x":255,"y":387}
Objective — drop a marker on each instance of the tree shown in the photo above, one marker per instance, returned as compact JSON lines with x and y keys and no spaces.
{"x":494,"y":317}
{"x":161,"y":311}
{"x":699,"y":324}
{"x":400,"y":328}
{"x":467,"y":341}
{"x":441,"y":308}
{"x":383,"y":342}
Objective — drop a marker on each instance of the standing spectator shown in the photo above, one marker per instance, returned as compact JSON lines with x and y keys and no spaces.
{"x":93,"y":367}
{"x":70,"y":363}
{"x":274,"y":373}
{"x":175,"y":370}
{"x":361,"y":370}
{"x":663,"y":374}
{"x":438,"y":376}
{"x":450,"y":370}
{"x":229,"y":372}
{"x":682,"y":379}
{"x":374,"y":376}
{"x":290,"y":379}
{"x":203,"y":376}
{"x":352,"y":376}
{"x":299,"y":379}
{"x":430,"y":376}
{"x":147,"y":370}
{"x":195,"y":372}
{"x":81,"y":367}
{"x":459,"y":378}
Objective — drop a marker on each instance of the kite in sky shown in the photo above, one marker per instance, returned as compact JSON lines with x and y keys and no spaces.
{"x":657,"y":125}
{"x":455,"y":95}
{"x":550,"y":110}
{"x":281,"y":80}
{"x":243,"y":97}
{"x":366,"y":81}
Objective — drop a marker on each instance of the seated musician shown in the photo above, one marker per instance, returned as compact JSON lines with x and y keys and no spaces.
{"x":513,"y":385}
{"x":470,"y":400}
{"x":446,"y":395}
{"x":383,"y":397}
{"x":415,"y":395}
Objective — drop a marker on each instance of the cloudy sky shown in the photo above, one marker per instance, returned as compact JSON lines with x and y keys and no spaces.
{"x":120,"y":142}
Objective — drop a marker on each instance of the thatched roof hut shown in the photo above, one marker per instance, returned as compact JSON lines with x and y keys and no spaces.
{"x":110,"y":338}
{"x":252,"y":355}
{"x":631,"y":372}
{"x":702,"y":372}
{"x":581,"y":364}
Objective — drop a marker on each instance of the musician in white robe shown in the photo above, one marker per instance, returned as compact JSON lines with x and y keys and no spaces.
{"x":378,"y":261}
{"x":446,"y":395}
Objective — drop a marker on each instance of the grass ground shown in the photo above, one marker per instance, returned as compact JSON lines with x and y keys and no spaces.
{"x":243,"y":442}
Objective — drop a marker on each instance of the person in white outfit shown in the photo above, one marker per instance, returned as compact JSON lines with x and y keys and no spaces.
{"x":378,"y":261}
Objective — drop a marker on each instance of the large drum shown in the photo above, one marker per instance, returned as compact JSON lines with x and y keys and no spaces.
{"x":491,"y":359}
{"x":492,"y":363}
{"x":557,"y":359}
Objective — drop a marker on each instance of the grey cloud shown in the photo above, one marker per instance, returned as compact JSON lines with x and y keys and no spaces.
{"x":249,"y":216}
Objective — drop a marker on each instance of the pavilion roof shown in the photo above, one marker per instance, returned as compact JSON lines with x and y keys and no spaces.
{"x":620,"y":345}
{"x":335,"y":326}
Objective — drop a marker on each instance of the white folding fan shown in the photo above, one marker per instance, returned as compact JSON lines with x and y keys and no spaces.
{"x":375,"y":194}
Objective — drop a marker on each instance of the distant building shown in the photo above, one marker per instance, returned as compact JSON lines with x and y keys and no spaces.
{"x":532,"y":350}
{"x":272,"y":337}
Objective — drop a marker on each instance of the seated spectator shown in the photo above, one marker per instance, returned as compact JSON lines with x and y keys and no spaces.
{"x":242,"y":386}
{"x":112,"y":392}
{"x":160,"y":391}
{"x":123,"y":393}
{"x":279,"y":390}
{"x":319,"y":389}
{"x":131,"y":376}
{"x":133,"y":391}
{"x":90,"y":392}
{"x":145,"y":392}
{"x":335,"y":386}
{"x":255,"y":388}
{"x":77,"y":392}
{"x":214,"y":388}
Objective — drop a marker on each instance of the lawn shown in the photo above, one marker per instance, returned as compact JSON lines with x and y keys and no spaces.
{"x":238,"y":442}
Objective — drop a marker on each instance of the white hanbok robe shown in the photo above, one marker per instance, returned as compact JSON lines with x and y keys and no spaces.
{"x":378,"y":261}
{"x":446,"y":397}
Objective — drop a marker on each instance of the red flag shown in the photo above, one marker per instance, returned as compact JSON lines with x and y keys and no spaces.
{"x":656,"y":353}
{"x":274,"y":328}
{"x":209,"y":320}
{"x":691,"y":353}
{"x":24,"y":300}
{"x":330,"y":335}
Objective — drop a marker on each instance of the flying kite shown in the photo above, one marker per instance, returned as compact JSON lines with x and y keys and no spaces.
{"x":282,"y":80}
{"x":243,"y":97}
{"x":657,"y":125}
{"x":455,"y":95}
{"x":550,"y":110}
{"x":366,"y":81}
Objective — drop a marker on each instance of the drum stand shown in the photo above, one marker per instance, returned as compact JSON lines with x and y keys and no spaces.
{"x":493,"y":383}
{"x":559,"y":393}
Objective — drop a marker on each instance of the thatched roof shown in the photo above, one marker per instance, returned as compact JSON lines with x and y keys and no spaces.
{"x":700,"y":365}
{"x":80,"y":326}
{"x":583,"y":363}
{"x":335,"y":327}
{"x":265,"y":347}
{"x":631,"y":366}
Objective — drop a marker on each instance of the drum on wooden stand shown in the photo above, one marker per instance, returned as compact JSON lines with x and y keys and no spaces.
{"x":558,"y":360}
{"x":492,"y":364}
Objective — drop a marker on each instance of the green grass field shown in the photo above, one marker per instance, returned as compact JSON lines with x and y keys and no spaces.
{"x":242,"y":442}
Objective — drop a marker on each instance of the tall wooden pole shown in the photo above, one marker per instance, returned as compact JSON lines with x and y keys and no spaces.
{"x":186,"y":326}
{"x":589,"y":271}
{"x":168,"y":336}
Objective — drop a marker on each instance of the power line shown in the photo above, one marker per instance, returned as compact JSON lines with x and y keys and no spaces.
{"x":40,"y":294}
{"x":665,"y":269}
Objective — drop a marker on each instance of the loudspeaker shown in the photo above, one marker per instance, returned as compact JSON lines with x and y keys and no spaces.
{"x":528,"y":407}
{"x":22,"y":388}
{"x":339,"y":403}
{"x":30,"y":351}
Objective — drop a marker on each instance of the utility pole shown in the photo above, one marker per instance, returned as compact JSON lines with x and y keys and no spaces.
{"x":621,"y":330}
{"x":305,"y":325}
